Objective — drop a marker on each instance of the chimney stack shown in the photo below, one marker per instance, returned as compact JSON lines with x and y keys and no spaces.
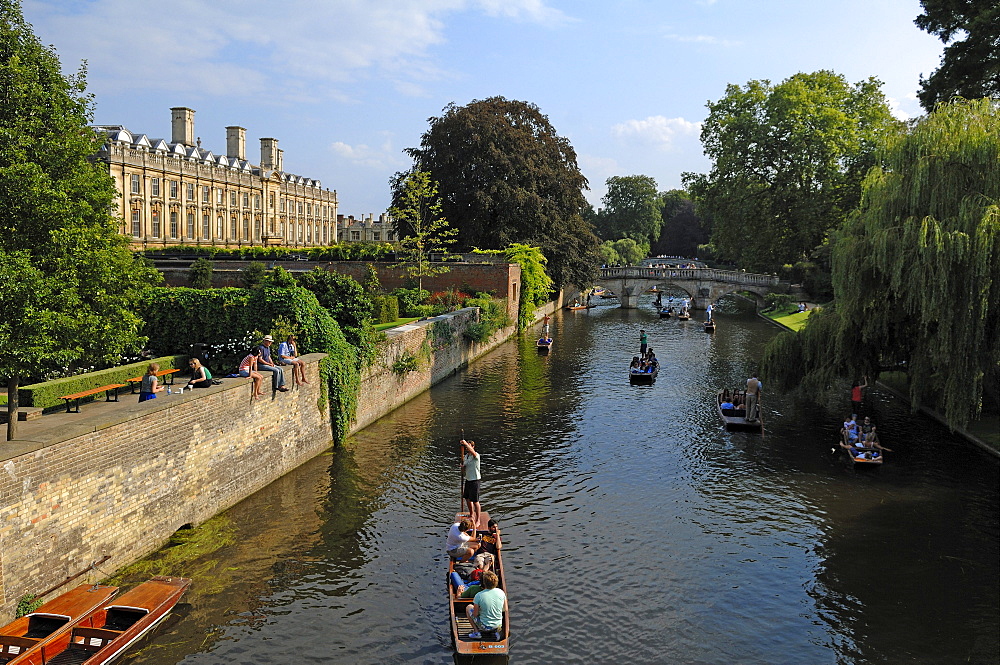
{"x":236,"y":143}
{"x":182,"y":125}
{"x":269,"y":154}
{"x":280,"y":166}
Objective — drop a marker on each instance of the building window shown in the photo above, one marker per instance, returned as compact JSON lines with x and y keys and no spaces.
{"x":309,"y":209}
{"x":190,"y":225}
{"x":136,"y":222}
{"x":136,"y":189}
{"x":154,"y":218}
{"x":232,"y":199}
{"x":220,"y":228}
{"x":205,"y":194}
{"x":206,"y":226}
{"x":355,"y":235}
{"x":173,"y":189}
{"x":246,"y":227}
{"x":233,"y":225}
{"x":246,"y":200}
{"x":190,"y":192}
{"x":300,"y":207}
{"x":220,"y":195}
{"x":282,"y":205}
{"x":270,"y":201}
{"x":376,"y":235}
{"x":155,"y":186}
{"x":256,"y":201}
{"x":173,"y":224}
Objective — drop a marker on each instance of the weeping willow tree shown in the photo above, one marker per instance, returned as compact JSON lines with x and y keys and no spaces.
{"x":915,"y":271}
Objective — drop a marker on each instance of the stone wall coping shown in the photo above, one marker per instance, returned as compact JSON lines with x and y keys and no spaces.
{"x":94,"y":416}
{"x":423,"y":323}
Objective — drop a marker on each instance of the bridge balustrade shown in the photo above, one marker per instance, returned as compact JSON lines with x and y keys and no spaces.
{"x":699,"y":274}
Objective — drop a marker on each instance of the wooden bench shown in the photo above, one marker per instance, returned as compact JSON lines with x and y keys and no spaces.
{"x":109,"y":390}
{"x":93,"y":639}
{"x":169,"y":373}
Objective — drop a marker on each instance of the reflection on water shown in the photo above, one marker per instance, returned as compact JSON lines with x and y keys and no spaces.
{"x":637,"y":529}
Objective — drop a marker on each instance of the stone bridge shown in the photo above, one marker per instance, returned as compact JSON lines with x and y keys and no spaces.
{"x":702,"y":285}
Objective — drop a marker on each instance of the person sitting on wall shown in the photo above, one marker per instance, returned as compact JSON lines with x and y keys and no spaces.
{"x":150,"y":385}
{"x":248,"y":368}
{"x":200,"y":376}
{"x":266,"y":364}
{"x":288,"y":354}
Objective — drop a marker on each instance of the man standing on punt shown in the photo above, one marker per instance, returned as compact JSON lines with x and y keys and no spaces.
{"x":472,"y":475}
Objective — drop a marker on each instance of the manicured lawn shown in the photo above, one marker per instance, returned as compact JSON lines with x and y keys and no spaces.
{"x":789,"y":316}
{"x":398,"y":322}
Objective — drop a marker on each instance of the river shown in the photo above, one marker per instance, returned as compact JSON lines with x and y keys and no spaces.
{"x":637,"y":530}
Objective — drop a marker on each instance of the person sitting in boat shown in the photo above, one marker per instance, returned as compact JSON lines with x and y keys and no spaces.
{"x":652,"y":361}
{"x":865,"y":428}
{"x":850,"y":431}
{"x":461,"y":546}
{"x":725,"y":401}
{"x":636,"y":363}
{"x":486,"y":610}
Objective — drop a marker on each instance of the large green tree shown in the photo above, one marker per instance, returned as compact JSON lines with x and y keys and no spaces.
{"x":915,"y":270}
{"x":787,"y":164}
{"x":631,"y":209}
{"x":683,"y":230}
{"x":970,"y":65}
{"x":76,"y":280}
{"x":506,"y":176}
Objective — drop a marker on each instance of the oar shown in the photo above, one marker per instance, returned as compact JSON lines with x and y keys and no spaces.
{"x":461,"y":473}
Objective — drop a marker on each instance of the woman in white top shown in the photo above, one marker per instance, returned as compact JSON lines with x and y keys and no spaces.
{"x":288,"y":355}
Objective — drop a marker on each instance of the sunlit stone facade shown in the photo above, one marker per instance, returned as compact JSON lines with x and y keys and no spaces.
{"x":367,"y":229}
{"x":177,"y":192}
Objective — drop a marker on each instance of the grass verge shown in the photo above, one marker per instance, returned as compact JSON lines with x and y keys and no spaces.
{"x":395,"y":324}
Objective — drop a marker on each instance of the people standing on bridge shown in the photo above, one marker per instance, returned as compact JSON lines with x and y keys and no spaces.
{"x":643,"y":341}
{"x":754,"y":388}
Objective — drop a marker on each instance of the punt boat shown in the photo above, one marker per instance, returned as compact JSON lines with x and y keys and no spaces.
{"x":22,"y":641}
{"x":735,"y":419}
{"x":461,"y":627}
{"x":544,"y":346}
{"x":710,"y":326}
{"x":105,"y":634}
{"x":639,"y":377}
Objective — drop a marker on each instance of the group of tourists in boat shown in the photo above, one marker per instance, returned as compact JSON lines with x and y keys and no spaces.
{"x":861,"y":441}
{"x":739,"y":409}
{"x":478,"y":609}
{"x":644,"y":367}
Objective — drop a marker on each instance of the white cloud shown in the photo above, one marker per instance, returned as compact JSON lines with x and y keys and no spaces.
{"x":249,"y":48}
{"x":656,"y":130}
{"x":906,"y":108}
{"x":383,"y":156}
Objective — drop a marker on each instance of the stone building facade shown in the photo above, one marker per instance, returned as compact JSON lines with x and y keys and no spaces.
{"x":367,"y":229}
{"x":177,"y":192}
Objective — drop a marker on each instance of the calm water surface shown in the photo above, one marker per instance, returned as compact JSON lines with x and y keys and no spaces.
{"x":637,"y":530}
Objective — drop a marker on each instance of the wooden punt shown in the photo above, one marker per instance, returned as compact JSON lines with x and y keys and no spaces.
{"x":22,"y":641}
{"x":576,"y":307}
{"x":710,"y":326}
{"x":642,"y":378}
{"x":735,"y":419}
{"x":666,"y":313}
{"x":106,"y":633}
{"x":544,"y":347}
{"x":683,"y":317}
{"x":865,"y":455}
{"x":461,"y":627}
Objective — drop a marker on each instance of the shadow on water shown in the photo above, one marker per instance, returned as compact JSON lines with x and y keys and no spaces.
{"x":674,"y":540}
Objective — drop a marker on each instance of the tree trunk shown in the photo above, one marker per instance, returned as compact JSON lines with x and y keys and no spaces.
{"x":12,"y":383}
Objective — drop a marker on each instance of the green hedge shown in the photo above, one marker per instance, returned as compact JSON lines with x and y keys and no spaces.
{"x":385,"y":309}
{"x":231,"y":319}
{"x":47,"y":393}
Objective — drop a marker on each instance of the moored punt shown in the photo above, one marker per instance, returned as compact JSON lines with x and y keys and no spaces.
{"x":639,"y":377}
{"x":735,"y":419}
{"x":578,"y":306}
{"x":710,"y":326}
{"x":106,"y":633}
{"x":461,"y":627}
{"x":22,"y":641}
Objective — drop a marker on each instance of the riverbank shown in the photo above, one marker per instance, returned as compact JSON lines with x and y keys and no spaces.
{"x":983,"y":433}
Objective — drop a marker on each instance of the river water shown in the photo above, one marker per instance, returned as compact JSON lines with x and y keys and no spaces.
{"x":637,"y":530}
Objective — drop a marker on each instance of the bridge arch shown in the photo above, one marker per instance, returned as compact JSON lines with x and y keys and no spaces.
{"x":704,"y":285}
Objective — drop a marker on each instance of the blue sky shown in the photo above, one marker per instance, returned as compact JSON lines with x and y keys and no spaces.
{"x":346,"y":85}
